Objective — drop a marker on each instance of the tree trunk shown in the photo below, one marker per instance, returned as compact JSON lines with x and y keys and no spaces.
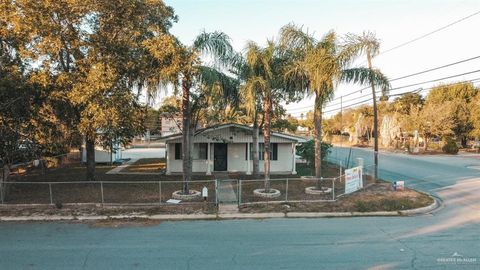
{"x":90,"y":148}
{"x":464,"y":141}
{"x":375,"y":118}
{"x":186,"y":136}
{"x":256,"y":167}
{"x":425,"y":143}
{"x":317,"y":119}
{"x":266,"y":139}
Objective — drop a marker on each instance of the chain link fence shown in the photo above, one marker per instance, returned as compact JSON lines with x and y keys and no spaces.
{"x":305,"y":189}
{"x":102,"y":192}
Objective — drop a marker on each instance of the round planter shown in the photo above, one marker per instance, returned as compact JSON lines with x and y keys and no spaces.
{"x":260,"y":192}
{"x":308,"y":177}
{"x":194,"y":194}
{"x":316,"y":191}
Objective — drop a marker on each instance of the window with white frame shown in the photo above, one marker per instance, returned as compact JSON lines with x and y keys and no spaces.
{"x":261,"y":148}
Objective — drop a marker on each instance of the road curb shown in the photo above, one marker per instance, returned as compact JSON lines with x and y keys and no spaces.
{"x":437,"y":203}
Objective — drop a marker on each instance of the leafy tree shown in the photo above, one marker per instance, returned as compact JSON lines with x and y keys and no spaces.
{"x":307,"y":151}
{"x":475,"y":116}
{"x":460,"y":95}
{"x":288,"y":123}
{"x":404,"y":103}
{"x":93,"y":52}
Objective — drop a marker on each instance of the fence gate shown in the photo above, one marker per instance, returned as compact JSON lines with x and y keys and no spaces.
{"x":227,"y":191}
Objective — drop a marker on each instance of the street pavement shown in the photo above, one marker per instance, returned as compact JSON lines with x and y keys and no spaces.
{"x":449,"y":238}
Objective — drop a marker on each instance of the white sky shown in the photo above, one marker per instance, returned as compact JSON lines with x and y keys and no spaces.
{"x":394,"y":23}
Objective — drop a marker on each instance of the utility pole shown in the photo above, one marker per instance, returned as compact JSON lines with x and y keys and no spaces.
{"x":375,"y":117}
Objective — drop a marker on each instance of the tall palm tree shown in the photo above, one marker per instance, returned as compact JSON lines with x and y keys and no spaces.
{"x":369,"y":45}
{"x":259,"y":84}
{"x":186,"y":71}
{"x":317,"y":68}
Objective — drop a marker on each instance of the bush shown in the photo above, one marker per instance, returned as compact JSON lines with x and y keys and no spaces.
{"x":450,"y":147}
{"x":307,"y":151}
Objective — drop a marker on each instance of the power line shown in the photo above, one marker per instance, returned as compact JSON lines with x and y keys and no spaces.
{"x":405,"y":86}
{"x":402,"y":77}
{"x":430,"y":33}
{"x":394,"y":95}
{"x":436,"y":68}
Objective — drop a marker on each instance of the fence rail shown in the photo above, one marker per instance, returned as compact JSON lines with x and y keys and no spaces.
{"x":100,"y":192}
{"x":241,"y":192}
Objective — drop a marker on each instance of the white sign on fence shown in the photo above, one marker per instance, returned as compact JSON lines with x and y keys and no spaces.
{"x":353,"y":179}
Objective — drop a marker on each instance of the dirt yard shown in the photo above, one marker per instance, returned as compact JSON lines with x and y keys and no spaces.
{"x":377,"y":197}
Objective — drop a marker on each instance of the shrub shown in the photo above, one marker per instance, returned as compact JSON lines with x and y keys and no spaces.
{"x":307,"y":151}
{"x":450,"y":147}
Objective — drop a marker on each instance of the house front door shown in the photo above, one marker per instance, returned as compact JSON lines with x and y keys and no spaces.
{"x":220,"y":157}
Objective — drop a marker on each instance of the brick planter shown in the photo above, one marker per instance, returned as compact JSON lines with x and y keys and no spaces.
{"x":316,"y":191}
{"x":260,"y":192}
{"x":194,"y":194}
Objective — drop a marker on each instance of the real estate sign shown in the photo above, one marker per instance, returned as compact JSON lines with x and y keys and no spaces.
{"x":353,"y":179}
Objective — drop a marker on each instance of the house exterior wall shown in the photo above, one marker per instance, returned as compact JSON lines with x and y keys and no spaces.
{"x":175,"y":165}
{"x":236,"y":161}
{"x":231,"y":135}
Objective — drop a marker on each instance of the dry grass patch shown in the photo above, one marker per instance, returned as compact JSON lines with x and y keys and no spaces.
{"x":147,"y":165}
{"x":377,"y":197}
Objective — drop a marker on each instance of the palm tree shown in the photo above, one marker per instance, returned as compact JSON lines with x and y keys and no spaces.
{"x":369,"y":45}
{"x":318,"y":66}
{"x":259,"y":84}
{"x":185,"y":70}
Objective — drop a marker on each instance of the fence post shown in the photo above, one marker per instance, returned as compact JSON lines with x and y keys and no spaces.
{"x":239,"y":192}
{"x":286,"y":192}
{"x":2,"y":183}
{"x":160,"y":191}
{"x":101,"y":189}
{"x":50,"y":191}
{"x":216,"y":192}
{"x":333,"y":188}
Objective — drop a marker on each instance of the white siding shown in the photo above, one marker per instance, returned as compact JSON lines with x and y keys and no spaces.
{"x":236,"y":159}
{"x":231,"y":135}
{"x":175,"y":165}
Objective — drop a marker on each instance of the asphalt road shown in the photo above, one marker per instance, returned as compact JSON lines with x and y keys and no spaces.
{"x":446,"y":239}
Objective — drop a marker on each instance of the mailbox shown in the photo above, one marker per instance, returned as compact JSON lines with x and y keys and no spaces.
{"x":205,"y":193}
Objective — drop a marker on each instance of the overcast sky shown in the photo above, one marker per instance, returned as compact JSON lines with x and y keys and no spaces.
{"x":394,"y":23}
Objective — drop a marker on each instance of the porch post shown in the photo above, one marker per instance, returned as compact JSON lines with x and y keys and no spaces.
{"x":248,"y":159}
{"x":294,"y":165}
{"x":167,"y":172}
{"x":209,"y":171}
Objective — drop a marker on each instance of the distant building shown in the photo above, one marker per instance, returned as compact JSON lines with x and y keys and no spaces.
{"x":103,"y":155}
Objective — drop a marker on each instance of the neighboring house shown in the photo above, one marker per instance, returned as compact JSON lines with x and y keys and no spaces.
{"x":103,"y":155}
{"x":228,"y":147}
{"x":170,"y":124}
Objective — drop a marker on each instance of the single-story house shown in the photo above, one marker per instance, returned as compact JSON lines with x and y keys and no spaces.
{"x":228,"y":148}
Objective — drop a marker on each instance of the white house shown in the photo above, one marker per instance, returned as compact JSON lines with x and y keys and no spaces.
{"x":226,"y":147}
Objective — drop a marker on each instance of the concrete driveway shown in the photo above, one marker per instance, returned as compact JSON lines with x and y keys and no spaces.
{"x":446,"y":239}
{"x":138,"y":153}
